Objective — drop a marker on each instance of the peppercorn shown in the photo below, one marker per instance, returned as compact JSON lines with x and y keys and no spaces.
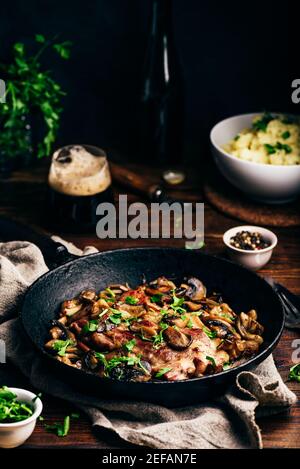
{"x":248,"y":241}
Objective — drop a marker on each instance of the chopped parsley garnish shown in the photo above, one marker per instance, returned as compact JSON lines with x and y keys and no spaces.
{"x":227,"y":316}
{"x":129,"y":345}
{"x":156,"y":298}
{"x":237,"y":137}
{"x":109,"y":365}
{"x":226,"y":366}
{"x":294,"y":374}
{"x":131,"y":300}
{"x":116,"y":317}
{"x":60,"y":429}
{"x":110,"y":293}
{"x":262,"y":123}
{"x":60,"y":346}
{"x":177,"y":304}
{"x":190,"y":324}
{"x":271,"y":149}
{"x":285,"y":135}
{"x":91,"y":326}
{"x":162,"y":372}
{"x":209,"y":333}
{"x":12,"y":410}
{"x":101,"y":357}
{"x":103,"y":312}
{"x":212,"y":360}
{"x":159,"y":339}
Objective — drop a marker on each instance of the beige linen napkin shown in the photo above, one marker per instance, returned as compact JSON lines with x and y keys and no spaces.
{"x":228,"y":422}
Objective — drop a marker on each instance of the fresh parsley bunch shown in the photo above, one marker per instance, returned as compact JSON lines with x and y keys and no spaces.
{"x":30,"y":89}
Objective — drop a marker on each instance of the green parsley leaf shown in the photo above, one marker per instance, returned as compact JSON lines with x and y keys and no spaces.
{"x":209,"y":333}
{"x":131,"y":300}
{"x":156,"y":298}
{"x":60,"y":346}
{"x":60,"y":429}
{"x":212,"y":360}
{"x":101,"y":357}
{"x":262,"y":123}
{"x":226,"y":366}
{"x":91,"y":326}
{"x":159,"y":339}
{"x":110,"y":292}
{"x":190,"y":324}
{"x":130,"y":345}
{"x":270,"y":148}
{"x":294,"y":374}
{"x":285,"y":135}
{"x":236,"y":137}
{"x":162,"y":372}
{"x":116,"y":317}
{"x":40,"y":38}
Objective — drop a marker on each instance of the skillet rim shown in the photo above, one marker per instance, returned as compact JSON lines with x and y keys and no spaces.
{"x":255,"y":360}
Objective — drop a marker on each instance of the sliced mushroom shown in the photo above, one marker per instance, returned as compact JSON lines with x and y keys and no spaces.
{"x":162,"y":284}
{"x":196,"y":290}
{"x":146,"y":328}
{"x":247,"y":346}
{"x":247,"y":328}
{"x":222,"y":328}
{"x":71,"y":307}
{"x":102,"y":342}
{"x":192,"y":306}
{"x":176,"y":339}
{"x":88,"y":295}
{"x":59,"y":331}
{"x":134,"y":310}
{"x":91,"y":361}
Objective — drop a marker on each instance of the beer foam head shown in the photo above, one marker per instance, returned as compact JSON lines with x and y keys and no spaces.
{"x":75,"y":171}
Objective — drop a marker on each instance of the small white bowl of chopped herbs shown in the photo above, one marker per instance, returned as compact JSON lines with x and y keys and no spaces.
{"x":19,"y":410}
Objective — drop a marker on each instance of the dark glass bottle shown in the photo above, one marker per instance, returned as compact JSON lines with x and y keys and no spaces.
{"x":161,"y":116}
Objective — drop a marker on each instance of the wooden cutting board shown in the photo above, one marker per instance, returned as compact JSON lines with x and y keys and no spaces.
{"x":232,"y":202}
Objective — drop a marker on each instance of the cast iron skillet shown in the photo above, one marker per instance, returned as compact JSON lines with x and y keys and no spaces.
{"x":241,"y":288}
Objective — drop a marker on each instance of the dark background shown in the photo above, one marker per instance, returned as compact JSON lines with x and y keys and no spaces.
{"x":234,"y":57}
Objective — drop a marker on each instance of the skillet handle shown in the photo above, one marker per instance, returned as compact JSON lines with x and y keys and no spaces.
{"x":54,"y":253}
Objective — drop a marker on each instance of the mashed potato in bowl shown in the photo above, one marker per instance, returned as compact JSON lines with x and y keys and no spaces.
{"x":272,"y":139}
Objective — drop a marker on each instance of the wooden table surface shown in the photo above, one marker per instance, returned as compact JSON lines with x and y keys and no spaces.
{"x":22,"y":197}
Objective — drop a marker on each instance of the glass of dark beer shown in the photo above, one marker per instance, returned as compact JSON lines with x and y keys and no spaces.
{"x":79,"y":180}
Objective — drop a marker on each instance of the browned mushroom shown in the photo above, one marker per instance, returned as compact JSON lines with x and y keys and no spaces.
{"x":71,"y":307}
{"x":222,"y":328}
{"x":192,"y":306}
{"x":196,"y":290}
{"x":249,"y":328}
{"x":88,"y":295}
{"x":102,"y":342}
{"x":162,"y":285}
{"x":146,"y":328}
{"x":176,"y":339}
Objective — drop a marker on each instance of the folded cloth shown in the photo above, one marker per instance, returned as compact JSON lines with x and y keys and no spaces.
{"x":227,"y":422}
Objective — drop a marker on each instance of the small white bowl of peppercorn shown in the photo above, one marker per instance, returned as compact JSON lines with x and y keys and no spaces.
{"x":250,"y":246}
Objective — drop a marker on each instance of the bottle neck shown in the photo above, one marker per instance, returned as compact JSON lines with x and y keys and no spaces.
{"x":160,"y":64}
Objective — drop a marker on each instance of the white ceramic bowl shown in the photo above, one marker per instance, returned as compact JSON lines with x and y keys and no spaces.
{"x":15,"y":434}
{"x":253,"y":260}
{"x":263,"y":182}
